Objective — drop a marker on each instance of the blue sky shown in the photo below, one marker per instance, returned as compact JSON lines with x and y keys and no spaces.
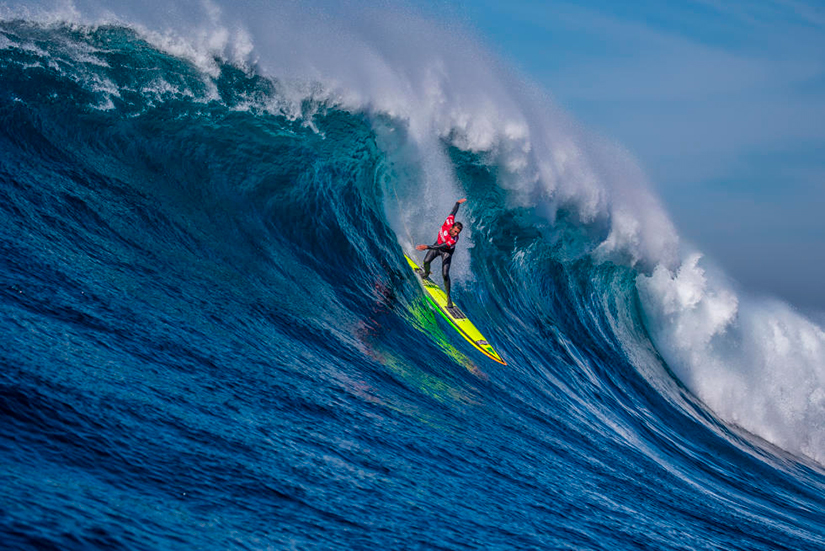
{"x":722,"y":103}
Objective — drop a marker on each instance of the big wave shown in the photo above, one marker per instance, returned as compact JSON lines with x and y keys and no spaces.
{"x":561,"y":220}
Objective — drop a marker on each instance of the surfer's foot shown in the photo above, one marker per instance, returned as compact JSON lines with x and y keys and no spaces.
{"x":450,"y":304}
{"x":423,"y":274}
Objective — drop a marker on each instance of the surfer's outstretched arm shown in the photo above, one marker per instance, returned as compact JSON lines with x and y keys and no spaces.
{"x":455,"y":208}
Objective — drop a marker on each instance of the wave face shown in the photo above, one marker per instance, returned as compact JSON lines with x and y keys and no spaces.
{"x":212,"y":339}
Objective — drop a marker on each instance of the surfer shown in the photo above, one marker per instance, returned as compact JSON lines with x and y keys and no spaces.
{"x":444,"y":246}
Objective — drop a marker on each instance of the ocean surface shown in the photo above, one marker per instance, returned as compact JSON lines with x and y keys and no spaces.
{"x":211,"y":339}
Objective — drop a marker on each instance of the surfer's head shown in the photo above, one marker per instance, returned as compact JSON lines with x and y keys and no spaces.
{"x":456,"y":228}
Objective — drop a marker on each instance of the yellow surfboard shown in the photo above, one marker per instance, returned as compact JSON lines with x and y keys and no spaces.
{"x":465,"y":328}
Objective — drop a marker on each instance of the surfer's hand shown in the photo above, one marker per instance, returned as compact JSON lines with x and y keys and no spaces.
{"x":461,"y":200}
{"x":421,"y":247}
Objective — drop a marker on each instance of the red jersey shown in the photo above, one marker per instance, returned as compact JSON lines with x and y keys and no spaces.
{"x":444,"y":235}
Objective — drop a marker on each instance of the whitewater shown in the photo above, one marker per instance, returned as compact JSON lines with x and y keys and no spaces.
{"x":212,"y":339}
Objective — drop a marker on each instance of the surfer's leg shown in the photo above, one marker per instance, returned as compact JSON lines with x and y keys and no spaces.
{"x":446,"y":258}
{"x":430,"y":256}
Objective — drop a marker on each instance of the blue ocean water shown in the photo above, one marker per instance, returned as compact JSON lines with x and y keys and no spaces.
{"x":212,"y":340}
